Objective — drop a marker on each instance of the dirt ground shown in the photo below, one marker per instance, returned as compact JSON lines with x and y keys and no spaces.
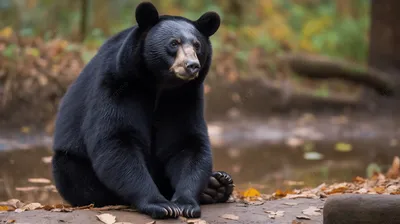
{"x":257,"y":213}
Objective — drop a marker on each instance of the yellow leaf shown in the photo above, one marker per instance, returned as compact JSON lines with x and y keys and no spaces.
{"x":4,"y":208}
{"x":33,"y":51}
{"x":343,"y":147}
{"x":251,"y":192}
{"x":6,"y":32}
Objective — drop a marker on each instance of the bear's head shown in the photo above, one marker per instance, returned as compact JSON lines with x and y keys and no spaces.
{"x":176,"y":50}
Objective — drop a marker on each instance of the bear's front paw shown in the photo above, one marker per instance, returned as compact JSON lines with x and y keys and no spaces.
{"x":219,"y":189}
{"x":188,"y":206}
{"x":161,"y":210}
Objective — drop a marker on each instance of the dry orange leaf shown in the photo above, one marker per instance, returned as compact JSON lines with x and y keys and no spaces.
{"x":379,"y":190}
{"x":251,"y":192}
{"x":338,"y":190}
{"x":4,"y":208}
{"x":359,"y":180}
{"x":279,"y":193}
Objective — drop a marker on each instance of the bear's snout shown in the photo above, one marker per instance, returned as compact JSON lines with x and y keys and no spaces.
{"x":192,"y":67}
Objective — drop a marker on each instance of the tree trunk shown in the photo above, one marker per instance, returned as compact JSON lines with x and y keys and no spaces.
{"x":84,"y":19}
{"x":384,"y":49}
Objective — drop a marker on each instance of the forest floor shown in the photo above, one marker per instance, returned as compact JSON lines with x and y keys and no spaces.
{"x":218,"y":213}
{"x":297,"y":206}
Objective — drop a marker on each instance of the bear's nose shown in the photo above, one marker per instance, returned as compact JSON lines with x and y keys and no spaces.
{"x":192,"y":67}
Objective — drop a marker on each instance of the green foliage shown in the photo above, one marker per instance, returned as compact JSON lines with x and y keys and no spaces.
{"x":316,"y":26}
{"x":10,"y":50}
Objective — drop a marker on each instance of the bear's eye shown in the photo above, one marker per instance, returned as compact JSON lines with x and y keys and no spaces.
{"x":174,"y":43}
{"x":196,"y":45}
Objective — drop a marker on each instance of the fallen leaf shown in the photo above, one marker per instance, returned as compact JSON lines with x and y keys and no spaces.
{"x":312,"y":211}
{"x":29,"y":207}
{"x":290,"y":203}
{"x":279,"y":193}
{"x":59,"y":206}
{"x":301,"y":195}
{"x":393,"y":189}
{"x":107,"y":218}
{"x":5,"y":208}
{"x":196,"y":221}
{"x":338,"y":190}
{"x":359,"y":180}
{"x":11,"y":221}
{"x":362,"y":191}
{"x":379,"y":190}
{"x":251,"y":192}
{"x":15,"y":203}
{"x":343,"y":147}
{"x":303,"y":217}
{"x":61,"y":210}
{"x":230,"y":216}
{"x":39,"y":180}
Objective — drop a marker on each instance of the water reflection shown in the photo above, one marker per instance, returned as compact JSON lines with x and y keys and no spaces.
{"x":17,"y":166}
{"x":264,"y":166}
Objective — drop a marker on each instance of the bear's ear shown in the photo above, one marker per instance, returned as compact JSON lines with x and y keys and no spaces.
{"x":208,"y":23}
{"x":146,"y":15}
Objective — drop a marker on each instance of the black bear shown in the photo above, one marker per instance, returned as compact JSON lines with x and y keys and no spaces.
{"x":131,"y":131}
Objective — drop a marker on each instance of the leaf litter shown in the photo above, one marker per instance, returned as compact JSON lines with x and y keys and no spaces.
{"x":378,"y":183}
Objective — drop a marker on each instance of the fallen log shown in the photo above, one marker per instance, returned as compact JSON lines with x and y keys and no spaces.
{"x":317,"y":66}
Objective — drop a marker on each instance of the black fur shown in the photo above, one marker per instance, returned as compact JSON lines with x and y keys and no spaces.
{"x":129,"y":132}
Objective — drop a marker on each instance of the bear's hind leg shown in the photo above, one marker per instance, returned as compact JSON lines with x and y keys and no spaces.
{"x":77,"y":183}
{"x":219,"y":189}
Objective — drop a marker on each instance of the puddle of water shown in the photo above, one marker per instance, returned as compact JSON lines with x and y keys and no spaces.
{"x":264,"y":166}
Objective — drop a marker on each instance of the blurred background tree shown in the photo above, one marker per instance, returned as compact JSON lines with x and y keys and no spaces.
{"x":320,"y":26}
{"x":385,"y":36}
